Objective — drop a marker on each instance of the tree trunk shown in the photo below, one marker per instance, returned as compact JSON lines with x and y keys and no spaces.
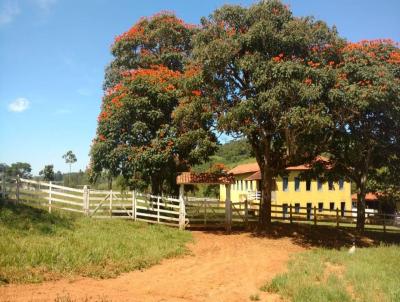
{"x":266,"y":195}
{"x":361,"y":204}
{"x":156,"y":185}
{"x":110,"y":182}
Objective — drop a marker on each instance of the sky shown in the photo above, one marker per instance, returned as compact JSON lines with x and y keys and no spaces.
{"x":53,"y":54}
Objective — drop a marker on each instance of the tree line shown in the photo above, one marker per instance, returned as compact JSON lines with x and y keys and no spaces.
{"x":291,"y":86}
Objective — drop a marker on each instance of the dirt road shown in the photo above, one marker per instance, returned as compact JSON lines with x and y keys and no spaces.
{"x":220,"y":268}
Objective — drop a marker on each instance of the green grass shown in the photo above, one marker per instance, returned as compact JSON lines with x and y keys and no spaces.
{"x":37,"y":246}
{"x":370,"y":274}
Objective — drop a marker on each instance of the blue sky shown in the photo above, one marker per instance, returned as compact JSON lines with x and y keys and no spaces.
{"x":53,"y":54}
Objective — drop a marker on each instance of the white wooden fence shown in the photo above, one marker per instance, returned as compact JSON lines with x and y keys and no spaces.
{"x":178,"y":212}
{"x":97,"y":203}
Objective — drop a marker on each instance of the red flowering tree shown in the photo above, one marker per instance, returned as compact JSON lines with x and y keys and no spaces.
{"x":162,"y":39}
{"x":154,"y":121}
{"x":269,"y":73}
{"x":365,"y":106}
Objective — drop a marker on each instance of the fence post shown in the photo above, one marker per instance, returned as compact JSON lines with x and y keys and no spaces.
{"x":50,"y":197}
{"x":134,"y":205}
{"x":205,"y":211}
{"x":384,"y":223}
{"x":228,"y":209}
{"x":85,"y":201}
{"x":3,"y":186}
{"x":182,"y":207}
{"x":111,"y":201}
{"x":337,"y":217}
{"x":246,"y":212}
{"x":158,"y":209}
{"x":315,"y":215}
{"x":291,"y":214}
{"x":17,"y":189}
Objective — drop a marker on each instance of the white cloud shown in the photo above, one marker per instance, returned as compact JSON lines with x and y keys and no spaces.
{"x":45,"y":5}
{"x":8,"y":12}
{"x":19,"y":105}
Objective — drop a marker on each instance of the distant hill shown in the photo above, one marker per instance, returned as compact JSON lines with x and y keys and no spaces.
{"x":230,"y":154}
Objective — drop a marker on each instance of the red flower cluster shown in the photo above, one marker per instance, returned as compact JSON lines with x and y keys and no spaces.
{"x":278,"y":58}
{"x":313,"y":64}
{"x":308,"y":81}
{"x":157,"y":73}
{"x":394,"y":57}
{"x":134,"y":32}
{"x":138,"y":30}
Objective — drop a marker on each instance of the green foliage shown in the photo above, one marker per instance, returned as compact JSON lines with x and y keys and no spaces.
{"x":269,"y":74}
{"x":18,"y":168}
{"x":162,"y":39}
{"x":37,"y":246}
{"x":155,"y":121}
{"x":69,"y":157}
{"x":366,"y":114}
{"x":47,"y":173}
{"x":329,"y":275}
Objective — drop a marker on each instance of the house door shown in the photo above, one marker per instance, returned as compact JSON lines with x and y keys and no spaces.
{"x":342,"y":208}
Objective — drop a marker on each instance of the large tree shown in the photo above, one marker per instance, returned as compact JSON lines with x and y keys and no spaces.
{"x":47,"y":172}
{"x":269,"y":73}
{"x":366,"y":110}
{"x":20,"y":169}
{"x":154,"y":121}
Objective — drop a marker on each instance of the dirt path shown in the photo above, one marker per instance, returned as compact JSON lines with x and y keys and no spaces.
{"x":221,"y":268}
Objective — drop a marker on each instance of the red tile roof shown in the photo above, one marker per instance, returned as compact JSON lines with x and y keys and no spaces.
{"x":245,"y":168}
{"x":368,"y":197}
{"x":204,"y":178}
{"x":254,"y":168}
{"x":254,"y":176}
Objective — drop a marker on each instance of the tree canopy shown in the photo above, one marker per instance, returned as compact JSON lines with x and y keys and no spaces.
{"x":155,"y":121}
{"x":47,"y":172}
{"x":366,"y":114}
{"x":269,"y":74}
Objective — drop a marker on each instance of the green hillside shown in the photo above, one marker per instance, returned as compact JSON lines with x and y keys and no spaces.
{"x":230,"y":154}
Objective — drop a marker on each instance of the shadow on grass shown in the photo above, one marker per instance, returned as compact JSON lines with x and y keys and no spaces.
{"x":318,"y":236}
{"x":26,"y":218}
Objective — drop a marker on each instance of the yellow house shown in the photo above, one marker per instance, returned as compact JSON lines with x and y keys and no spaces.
{"x":290,"y":190}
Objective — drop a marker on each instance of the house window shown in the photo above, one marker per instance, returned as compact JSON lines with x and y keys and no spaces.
{"x":309,"y":209}
{"x":285,"y":210}
{"x":297,"y":208}
{"x":297,"y":184}
{"x":332,"y":206}
{"x":341,"y":184}
{"x":308,"y":185}
{"x":285,"y":183}
{"x":320,"y":206}
{"x":246,"y":185}
{"x":251,"y":185}
{"x":330,"y":185}
{"x":319,"y":184}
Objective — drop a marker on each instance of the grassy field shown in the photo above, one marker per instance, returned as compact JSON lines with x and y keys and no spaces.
{"x":370,"y":274}
{"x":37,"y":246}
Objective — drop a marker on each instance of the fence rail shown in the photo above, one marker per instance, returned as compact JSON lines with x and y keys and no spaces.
{"x":96,"y":203}
{"x":179,"y":212}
